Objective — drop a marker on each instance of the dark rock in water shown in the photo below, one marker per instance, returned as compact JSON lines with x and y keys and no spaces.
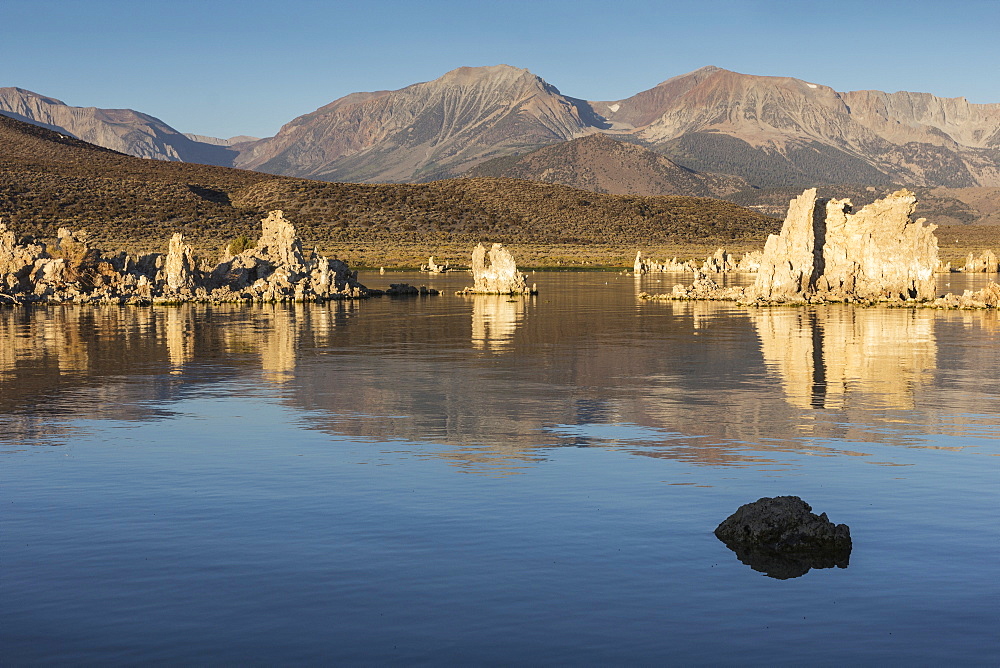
{"x":407,"y":290}
{"x":782,"y":538}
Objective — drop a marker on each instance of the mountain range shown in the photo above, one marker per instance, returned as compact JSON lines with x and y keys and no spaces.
{"x":766,"y":131}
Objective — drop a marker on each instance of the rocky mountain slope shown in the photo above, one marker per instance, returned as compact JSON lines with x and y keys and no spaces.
{"x":782,"y":131}
{"x":122,"y":130}
{"x":770,"y":131}
{"x":424,"y":131}
{"x":601,"y":164}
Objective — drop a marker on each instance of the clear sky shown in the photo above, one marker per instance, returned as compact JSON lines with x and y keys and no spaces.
{"x":233,"y":67}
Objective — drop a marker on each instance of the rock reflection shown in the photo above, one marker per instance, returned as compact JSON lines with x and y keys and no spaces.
{"x":280,"y":341}
{"x":785,"y":566}
{"x":179,"y":333}
{"x":824,"y":354}
{"x":495,"y":319}
{"x":48,"y":350}
{"x":701,"y":313}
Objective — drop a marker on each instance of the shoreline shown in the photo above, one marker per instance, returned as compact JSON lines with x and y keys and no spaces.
{"x":372,"y":251}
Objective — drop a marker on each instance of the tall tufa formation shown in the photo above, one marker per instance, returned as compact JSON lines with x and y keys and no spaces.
{"x":827,"y":252}
{"x":495,"y":273}
{"x":179,"y":266}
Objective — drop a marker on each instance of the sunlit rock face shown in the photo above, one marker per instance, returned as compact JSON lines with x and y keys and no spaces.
{"x":985,"y":263}
{"x":16,"y":259}
{"x":279,"y":244}
{"x":179,"y":264}
{"x":275,"y":270}
{"x":644,"y":265}
{"x":827,"y":251}
{"x":495,"y":273}
{"x":722,"y":262}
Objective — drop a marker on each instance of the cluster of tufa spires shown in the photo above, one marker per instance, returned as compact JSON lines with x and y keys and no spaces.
{"x":275,"y":270}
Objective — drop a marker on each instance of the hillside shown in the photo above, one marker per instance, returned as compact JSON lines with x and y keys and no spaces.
{"x":48,"y":180}
{"x":941,"y":206}
{"x":601,"y":164}
{"x":123,"y":130}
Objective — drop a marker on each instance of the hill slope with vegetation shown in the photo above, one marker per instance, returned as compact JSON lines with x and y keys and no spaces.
{"x":49,"y":181}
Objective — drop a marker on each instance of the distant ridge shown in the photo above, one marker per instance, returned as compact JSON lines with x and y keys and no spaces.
{"x":123,"y":130}
{"x":216,"y":141}
{"x":769,"y":131}
{"x":778,"y":131}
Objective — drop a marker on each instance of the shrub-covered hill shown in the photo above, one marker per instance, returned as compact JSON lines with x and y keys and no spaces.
{"x":48,"y":180}
{"x":505,"y":210}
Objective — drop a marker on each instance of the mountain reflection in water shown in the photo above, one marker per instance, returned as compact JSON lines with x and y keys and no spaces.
{"x":702,"y":382}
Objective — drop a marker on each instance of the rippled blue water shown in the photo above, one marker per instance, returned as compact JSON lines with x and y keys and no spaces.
{"x":485,"y":480}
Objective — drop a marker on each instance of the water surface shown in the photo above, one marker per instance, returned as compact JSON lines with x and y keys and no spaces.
{"x":493,"y":480}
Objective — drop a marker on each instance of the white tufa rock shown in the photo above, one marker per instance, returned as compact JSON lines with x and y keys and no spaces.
{"x":495,"y":273}
{"x":826,"y":251}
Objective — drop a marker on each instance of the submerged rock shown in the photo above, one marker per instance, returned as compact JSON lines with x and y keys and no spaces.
{"x":495,"y":273}
{"x":407,"y":290}
{"x":703,"y":287}
{"x":986,"y":298}
{"x":782,"y":538}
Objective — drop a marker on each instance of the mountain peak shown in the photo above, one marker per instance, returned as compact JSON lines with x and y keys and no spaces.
{"x":485,"y":75}
{"x":475,"y":73}
{"x":695,"y":76}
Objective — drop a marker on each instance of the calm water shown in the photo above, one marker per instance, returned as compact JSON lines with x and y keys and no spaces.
{"x":490,"y":480}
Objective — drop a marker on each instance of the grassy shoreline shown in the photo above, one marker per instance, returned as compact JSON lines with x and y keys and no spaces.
{"x":955,"y":243}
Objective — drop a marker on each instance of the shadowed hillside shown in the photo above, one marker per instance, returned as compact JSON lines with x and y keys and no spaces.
{"x":604,"y":165}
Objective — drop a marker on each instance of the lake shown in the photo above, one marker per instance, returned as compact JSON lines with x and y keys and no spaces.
{"x":494,"y":480}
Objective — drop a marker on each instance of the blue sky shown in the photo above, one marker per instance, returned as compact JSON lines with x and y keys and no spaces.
{"x":225,"y":68}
